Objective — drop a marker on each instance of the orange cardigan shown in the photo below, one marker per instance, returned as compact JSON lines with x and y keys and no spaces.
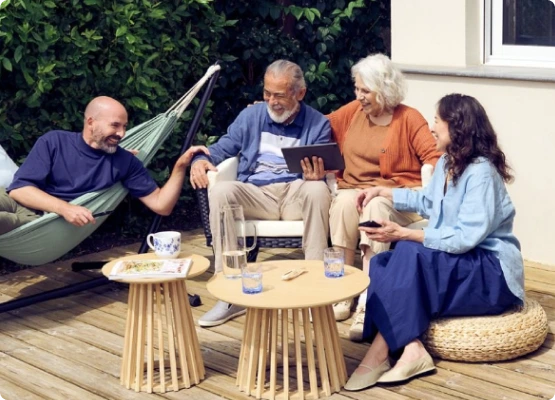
{"x":408,"y":145}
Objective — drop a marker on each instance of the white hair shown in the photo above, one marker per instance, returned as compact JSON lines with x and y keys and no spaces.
{"x":378,"y":74}
{"x":290,"y":69}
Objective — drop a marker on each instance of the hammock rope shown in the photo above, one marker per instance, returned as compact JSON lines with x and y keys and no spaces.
{"x":50,"y":236}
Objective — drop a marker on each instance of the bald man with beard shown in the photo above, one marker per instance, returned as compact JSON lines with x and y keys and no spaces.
{"x":64,"y":165}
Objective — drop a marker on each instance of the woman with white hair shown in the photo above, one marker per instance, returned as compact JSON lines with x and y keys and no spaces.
{"x":384,"y":143}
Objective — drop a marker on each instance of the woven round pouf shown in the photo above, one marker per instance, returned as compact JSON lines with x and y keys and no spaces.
{"x":514,"y":333}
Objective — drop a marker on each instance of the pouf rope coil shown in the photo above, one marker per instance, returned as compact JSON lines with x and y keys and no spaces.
{"x":514,"y":333}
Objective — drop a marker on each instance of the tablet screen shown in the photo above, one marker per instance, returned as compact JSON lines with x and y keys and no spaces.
{"x":329,"y":152}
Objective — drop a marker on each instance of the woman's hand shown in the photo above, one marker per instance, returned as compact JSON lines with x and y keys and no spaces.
{"x":389,"y":232}
{"x":365,"y":196}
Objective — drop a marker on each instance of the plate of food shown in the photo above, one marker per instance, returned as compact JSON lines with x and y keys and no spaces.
{"x":156,"y":268}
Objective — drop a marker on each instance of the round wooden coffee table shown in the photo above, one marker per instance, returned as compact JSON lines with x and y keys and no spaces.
{"x":280,"y":318}
{"x":159,"y":317}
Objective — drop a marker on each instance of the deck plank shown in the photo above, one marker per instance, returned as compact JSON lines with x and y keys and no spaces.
{"x":72,"y":347}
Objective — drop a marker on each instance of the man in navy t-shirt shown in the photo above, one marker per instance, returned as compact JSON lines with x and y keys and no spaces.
{"x":65,"y":165}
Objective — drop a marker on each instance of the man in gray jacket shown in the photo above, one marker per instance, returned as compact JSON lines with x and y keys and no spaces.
{"x":265,"y":187}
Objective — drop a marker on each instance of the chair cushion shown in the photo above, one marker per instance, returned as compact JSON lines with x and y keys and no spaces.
{"x":514,"y":333}
{"x":267,"y":228}
{"x":7,"y":168}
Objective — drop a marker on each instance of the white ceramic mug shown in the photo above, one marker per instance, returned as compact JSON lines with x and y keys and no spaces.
{"x":165,"y":244}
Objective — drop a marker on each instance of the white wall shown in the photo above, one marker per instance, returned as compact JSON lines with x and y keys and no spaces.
{"x":436,"y":32}
{"x":521,"y":111}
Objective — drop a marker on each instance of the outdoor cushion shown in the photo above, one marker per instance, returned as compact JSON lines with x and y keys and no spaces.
{"x":512,"y":334}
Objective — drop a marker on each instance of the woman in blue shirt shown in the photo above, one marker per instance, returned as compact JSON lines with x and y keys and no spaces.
{"x":466,"y":262}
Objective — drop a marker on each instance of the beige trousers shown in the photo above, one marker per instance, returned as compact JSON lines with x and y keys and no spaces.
{"x":344,"y":219}
{"x":12,"y":214}
{"x":292,"y":201}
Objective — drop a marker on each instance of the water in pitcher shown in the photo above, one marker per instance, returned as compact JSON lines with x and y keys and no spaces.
{"x":232,"y":262}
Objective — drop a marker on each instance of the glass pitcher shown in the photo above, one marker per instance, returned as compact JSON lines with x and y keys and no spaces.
{"x":233,"y":240}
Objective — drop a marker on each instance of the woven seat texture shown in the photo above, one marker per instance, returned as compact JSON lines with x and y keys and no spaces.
{"x":514,"y":333}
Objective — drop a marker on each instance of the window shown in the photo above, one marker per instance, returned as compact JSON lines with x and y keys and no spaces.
{"x":520,"y":32}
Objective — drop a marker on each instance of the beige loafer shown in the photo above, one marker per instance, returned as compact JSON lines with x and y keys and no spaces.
{"x":403,"y":372}
{"x":368,"y":379}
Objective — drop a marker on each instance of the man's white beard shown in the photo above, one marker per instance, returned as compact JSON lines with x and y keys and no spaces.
{"x":105,"y":147}
{"x":109,"y":149}
{"x":280,"y":119}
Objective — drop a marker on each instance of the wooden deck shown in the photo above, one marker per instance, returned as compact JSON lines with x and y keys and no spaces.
{"x":71,"y":348}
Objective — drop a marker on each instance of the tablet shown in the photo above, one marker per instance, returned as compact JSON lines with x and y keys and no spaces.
{"x":329,"y":152}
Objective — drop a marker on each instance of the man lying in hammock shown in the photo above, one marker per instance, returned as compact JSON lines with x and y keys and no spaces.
{"x":265,"y":187}
{"x":65,"y":165}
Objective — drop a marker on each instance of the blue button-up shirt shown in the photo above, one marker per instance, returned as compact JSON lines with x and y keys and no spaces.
{"x":476,"y":212}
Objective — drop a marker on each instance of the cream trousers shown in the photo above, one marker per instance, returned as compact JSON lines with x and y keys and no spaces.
{"x":297,"y":200}
{"x":344,"y":219}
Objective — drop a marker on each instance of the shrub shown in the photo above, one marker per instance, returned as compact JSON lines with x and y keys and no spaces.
{"x":57,"y":55}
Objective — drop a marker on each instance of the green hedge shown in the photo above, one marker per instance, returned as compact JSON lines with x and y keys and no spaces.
{"x":57,"y":55}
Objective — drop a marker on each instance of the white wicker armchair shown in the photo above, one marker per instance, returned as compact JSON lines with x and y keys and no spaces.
{"x":271,"y":234}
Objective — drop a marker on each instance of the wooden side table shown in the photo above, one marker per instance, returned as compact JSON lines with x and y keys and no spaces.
{"x":278,"y":329}
{"x":160,"y":331}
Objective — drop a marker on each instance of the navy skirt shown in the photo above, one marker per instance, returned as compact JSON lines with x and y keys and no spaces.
{"x":413,"y":284}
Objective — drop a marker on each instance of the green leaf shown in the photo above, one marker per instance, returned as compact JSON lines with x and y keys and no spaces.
{"x":321,"y":48}
{"x":322,"y":101}
{"x":7,"y":64}
{"x":139,"y":103}
{"x":49,"y":67}
{"x":263,"y":9}
{"x":296,"y":11}
{"x":30,"y":81}
{"x":122,"y":30}
{"x":49,"y":4}
{"x":275,"y":12}
{"x":228,"y":58}
{"x":316,"y":12}
{"x":309,"y":15}
{"x":18,"y":54}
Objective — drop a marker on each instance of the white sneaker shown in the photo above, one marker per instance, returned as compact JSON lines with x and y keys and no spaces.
{"x":355,"y":332}
{"x":342,"y":310}
{"x":220,"y":313}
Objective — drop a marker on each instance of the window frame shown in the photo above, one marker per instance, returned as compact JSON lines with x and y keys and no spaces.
{"x":497,"y":53}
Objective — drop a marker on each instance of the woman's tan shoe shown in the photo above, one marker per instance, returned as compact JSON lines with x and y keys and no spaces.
{"x":410,"y":370}
{"x":368,"y":379}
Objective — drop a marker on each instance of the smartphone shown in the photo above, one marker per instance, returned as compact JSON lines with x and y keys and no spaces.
{"x":370,"y":224}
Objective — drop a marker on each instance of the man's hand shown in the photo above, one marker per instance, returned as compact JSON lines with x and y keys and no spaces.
{"x":389,"y":232}
{"x":185,"y":159}
{"x":198,"y":177}
{"x":77,"y":215}
{"x":313,"y":171}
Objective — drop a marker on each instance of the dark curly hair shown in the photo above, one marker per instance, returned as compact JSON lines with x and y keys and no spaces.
{"x":471,"y":135}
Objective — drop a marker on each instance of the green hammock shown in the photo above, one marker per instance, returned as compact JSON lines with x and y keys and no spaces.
{"x":50,"y":236}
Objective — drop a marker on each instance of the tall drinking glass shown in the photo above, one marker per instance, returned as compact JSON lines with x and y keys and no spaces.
{"x":233,"y":240}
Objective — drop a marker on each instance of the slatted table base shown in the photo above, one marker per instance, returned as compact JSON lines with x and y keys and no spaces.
{"x":161,"y":350}
{"x":272,"y":339}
